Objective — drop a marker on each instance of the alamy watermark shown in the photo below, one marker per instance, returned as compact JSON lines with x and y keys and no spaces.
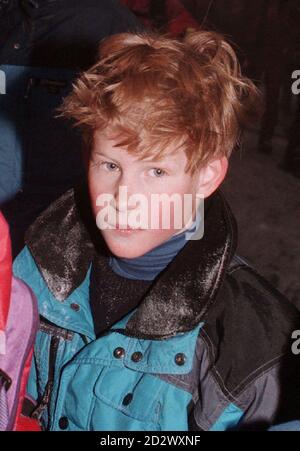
{"x":296,"y":83}
{"x":2,"y":82}
{"x":153,"y":212}
{"x":296,"y":343}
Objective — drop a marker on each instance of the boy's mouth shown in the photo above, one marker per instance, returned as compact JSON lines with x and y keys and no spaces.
{"x":125,"y":228}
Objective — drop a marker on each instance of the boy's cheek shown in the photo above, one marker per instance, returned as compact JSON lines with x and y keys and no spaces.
{"x":95,"y":209}
{"x":94,"y":190}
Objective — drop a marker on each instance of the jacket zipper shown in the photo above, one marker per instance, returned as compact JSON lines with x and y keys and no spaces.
{"x":45,"y":401}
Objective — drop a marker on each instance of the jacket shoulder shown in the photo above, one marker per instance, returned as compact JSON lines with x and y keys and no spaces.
{"x":252,"y":323}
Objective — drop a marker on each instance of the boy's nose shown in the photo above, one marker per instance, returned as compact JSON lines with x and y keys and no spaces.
{"x":122,"y":198}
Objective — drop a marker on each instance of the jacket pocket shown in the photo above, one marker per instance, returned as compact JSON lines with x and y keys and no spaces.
{"x":133,"y":399}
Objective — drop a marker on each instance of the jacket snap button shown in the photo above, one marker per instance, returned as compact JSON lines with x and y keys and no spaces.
{"x":119,"y":353}
{"x":136,"y":356}
{"x":75,"y":307}
{"x":127,"y":399}
{"x":63,"y":423}
{"x":180,"y":359}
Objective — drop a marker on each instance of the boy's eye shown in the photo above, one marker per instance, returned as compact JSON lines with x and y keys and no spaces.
{"x":157,"y":172}
{"x":109,"y":166}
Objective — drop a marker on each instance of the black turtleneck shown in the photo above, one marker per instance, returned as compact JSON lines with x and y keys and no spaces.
{"x":112,"y":296}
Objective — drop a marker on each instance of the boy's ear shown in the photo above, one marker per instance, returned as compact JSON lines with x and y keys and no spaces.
{"x":211,"y":176}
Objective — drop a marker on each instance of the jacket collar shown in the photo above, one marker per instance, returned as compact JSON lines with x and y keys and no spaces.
{"x":64,"y":240}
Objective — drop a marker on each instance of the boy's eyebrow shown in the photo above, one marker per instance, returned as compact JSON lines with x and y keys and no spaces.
{"x":97,"y":152}
{"x":170,"y":164}
{"x":163,"y":162}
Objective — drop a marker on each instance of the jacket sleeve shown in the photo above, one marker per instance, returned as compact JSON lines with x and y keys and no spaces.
{"x":269,"y":397}
{"x":274,"y":397}
{"x":261,"y":401}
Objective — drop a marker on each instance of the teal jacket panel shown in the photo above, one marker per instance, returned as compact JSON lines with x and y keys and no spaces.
{"x":91,"y":385}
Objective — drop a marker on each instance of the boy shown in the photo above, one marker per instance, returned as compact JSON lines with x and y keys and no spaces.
{"x":141,"y":328}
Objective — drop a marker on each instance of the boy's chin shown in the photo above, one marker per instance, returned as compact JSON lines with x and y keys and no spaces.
{"x":120,"y":252}
{"x":127,"y":248}
{"x":132,"y":245}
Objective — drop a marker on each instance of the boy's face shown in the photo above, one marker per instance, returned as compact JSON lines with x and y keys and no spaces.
{"x":112,"y":167}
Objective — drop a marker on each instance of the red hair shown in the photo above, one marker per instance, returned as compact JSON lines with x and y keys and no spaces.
{"x":155,"y":92}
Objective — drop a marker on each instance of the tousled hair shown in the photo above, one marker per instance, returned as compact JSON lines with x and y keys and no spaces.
{"x":156,"y":93}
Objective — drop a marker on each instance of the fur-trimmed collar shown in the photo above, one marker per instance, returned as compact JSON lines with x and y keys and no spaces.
{"x":64,"y":239}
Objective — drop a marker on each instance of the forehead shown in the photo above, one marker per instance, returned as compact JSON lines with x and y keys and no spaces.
{"x":108,"y":146}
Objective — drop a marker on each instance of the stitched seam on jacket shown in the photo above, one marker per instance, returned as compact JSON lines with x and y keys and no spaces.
{"x":232,"y":394}
{"x":263,"y":373}
{"x":215,"y":373}
{"x":206,"y":423}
